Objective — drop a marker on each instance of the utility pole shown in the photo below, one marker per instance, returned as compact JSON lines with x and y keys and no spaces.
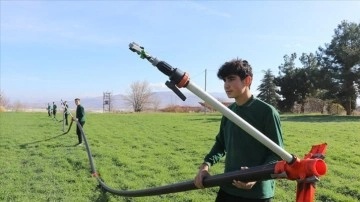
{"x":205,"y":78}
{"x":205,"y":91}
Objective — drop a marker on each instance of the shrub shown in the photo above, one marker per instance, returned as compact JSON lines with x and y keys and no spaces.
{"x":335,"y":109}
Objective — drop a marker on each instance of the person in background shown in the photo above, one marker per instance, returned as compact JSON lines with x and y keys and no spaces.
{"x":80,"y":117}
{"x":49,"y":109}
{"x":54,"y":108}
{"x":242,"y":150}
{"x":66,"y":112}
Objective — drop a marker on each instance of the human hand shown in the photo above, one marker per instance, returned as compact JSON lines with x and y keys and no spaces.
{"x":243,"y":185}
{"x":203,"y":172}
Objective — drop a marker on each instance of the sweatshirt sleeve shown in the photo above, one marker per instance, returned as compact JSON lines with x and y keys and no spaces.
{"x":82,"y":111}
{"x":218,"y":149}
{"x":274,"y":132}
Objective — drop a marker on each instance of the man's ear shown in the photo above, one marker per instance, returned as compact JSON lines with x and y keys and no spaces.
{"x":248,"y":80}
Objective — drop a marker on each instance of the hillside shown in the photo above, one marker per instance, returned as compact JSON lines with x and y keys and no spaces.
{"x":163,"y":99}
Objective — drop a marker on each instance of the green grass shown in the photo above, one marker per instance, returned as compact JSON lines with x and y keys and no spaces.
{"x":137,"y":151}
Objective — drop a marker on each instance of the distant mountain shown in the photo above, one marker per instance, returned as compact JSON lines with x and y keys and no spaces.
{"x":164,"y":99}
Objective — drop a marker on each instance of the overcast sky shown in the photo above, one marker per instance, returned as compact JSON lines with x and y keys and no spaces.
{"x":65,"y":49}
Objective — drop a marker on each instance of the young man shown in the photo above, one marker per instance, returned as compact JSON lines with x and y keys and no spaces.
{"x":80,"y":117}
{"x":242,"y":150}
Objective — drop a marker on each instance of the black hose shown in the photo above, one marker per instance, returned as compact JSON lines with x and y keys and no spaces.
{"x":264,"y":172}
{"x":69,"y":127}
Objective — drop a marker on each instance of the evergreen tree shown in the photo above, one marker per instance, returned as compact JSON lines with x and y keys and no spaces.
{"x":341,"y":65}
{"x":306,"y":79}
{"x":286,"y":83}
{"x":267,"y":89}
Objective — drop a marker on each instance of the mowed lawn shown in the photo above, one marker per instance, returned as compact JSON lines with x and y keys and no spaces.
{"x":142,"y":150}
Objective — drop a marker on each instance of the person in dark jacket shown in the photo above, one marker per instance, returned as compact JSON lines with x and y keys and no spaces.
{"x":54,"y":108}
{"x":49,"y":109}
{"x":80,"y":117}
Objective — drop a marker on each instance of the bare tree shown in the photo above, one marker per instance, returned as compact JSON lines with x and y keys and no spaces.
{"x":4,"y":102}
{"x":155,"y":103}
{"x":139,"y":95}
{"x":18,"y":106}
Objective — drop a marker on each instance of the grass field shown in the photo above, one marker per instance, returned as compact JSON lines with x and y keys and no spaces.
{"x":137,"y":151}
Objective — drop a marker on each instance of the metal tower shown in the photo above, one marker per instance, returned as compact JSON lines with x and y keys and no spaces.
{"x":107,"y":102}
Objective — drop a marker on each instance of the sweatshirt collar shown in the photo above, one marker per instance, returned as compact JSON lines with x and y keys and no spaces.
{"x":248,"y":103}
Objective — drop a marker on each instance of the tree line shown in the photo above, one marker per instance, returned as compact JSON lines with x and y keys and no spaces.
{"x":330,"y":74}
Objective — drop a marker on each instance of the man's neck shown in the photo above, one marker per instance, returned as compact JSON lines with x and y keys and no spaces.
{"x":243,"y":99}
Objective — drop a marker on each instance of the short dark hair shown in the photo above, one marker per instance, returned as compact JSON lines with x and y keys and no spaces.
{"x":77,"y":99}
{"x":237,"y":66}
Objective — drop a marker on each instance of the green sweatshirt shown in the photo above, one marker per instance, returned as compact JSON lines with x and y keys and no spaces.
{"x":242,"y":150}
{"x":80,"y":113}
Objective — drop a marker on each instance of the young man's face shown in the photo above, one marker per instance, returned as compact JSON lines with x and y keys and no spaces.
{"x":77,"y":102}
{"x":234,"y":87}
